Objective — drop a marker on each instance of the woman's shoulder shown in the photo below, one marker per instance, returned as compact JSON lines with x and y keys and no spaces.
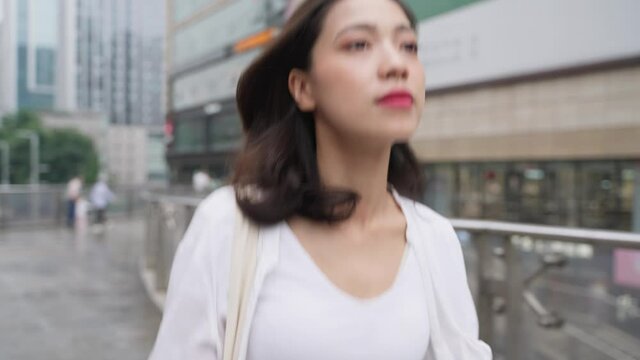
{"x":219,"y":205}
{"x":213,"y":221}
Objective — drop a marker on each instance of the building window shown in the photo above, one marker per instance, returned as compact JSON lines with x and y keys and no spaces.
{"x":589,"y":194}
{"x":45,"y":66}
{"x":189,"y":136}
{"x":224,"y":132}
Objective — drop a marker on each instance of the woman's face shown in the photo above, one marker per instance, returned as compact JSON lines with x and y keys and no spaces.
{"x":365,"y":80}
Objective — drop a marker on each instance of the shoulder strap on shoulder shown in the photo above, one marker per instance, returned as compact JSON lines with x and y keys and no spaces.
{"x":243,"y":268}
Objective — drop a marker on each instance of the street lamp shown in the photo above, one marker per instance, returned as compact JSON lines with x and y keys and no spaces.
{"x":4,"y":146}
{"x":35,"y":150}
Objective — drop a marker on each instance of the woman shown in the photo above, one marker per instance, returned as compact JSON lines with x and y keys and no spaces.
{"x":349,"y":267}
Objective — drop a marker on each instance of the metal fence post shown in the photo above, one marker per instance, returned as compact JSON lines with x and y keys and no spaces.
{"x":485,"y":296}
{"x":151,"y":236}
{"x":161,"y":272}
{"x":513,"y":276}
{"x":4,"y":207}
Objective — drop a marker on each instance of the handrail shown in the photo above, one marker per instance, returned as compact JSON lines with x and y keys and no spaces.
{"x":568,"y":234}
{"x":46,"y":204}
{"x":592,"y":236}
{"x":29,"y":188}
{"x":175,"y":199}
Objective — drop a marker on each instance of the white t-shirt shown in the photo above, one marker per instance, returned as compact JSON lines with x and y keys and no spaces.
{"x":301,"y":314}
{"x":195,"y":311}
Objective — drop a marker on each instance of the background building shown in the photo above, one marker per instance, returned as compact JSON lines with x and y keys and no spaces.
{"x":88,"y":60}
{"x":120,"y":57}
{"x":38,"y":65}
{"x":533,"y":117}
{"x":89,"y":55}
{"x":209,"y":43}
{"x":127,"y":154}
{"x":156,"y":163}
{"x":93,"y":64}
{"x":2,"y":74}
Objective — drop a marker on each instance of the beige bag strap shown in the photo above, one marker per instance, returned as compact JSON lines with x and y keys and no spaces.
{"x":243,"y":266}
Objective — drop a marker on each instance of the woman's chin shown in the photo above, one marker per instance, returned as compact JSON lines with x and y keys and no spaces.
{"x":391,"y":136}
{"x":399,"y":131}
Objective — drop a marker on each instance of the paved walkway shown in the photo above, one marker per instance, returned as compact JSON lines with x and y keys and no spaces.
{"x":65,"y":297}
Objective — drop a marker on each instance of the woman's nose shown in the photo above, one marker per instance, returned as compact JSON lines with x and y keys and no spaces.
{"x":392,"y":64}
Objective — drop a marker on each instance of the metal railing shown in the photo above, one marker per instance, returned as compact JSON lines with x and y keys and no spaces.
{"x":503,"y":289}
{"x":167,"y":218}
{"x":46,"y":205}
{"x":513,"y":308}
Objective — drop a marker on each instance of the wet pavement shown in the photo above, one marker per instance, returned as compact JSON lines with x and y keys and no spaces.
{"x":71,"y":297}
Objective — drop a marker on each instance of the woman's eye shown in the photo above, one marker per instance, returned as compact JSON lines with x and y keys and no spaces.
{"x":357,"y":45}
{"x":411,"y":47}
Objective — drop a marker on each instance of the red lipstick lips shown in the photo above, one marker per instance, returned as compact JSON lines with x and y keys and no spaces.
{"x":396,"y":99}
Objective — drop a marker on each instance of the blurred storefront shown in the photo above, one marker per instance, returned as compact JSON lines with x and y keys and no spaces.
{"x":590,"y":194}
{"x":209,"y":45}
{"x":533,"y":116}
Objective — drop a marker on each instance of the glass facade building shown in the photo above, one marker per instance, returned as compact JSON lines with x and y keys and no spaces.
{"x":37,"y":43}
{"x":103,"y":56}
{"x":203,"y":73}
{"x":587,"y":194}
{"x":120,"y":60}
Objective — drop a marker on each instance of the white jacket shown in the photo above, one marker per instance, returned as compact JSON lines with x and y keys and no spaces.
{"x":195,"y":309}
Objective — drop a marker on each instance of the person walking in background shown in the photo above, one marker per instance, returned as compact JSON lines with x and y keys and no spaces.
{"x":81,"y":221}
{"x":101,"y":196}
{"x":74,"y":188}
{"x":201,"y":181}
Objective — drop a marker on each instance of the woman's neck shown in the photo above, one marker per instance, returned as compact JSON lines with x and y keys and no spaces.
{"x":350,"y":165}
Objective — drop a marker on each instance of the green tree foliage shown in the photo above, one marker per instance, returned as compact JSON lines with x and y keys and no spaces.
{"x":64,"y":153}
{"x":23,"y":119}
{"x":68,"y":152}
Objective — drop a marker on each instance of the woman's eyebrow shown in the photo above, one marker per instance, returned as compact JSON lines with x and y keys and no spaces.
{"x":373,"y":29}
{"x":404,"y":28}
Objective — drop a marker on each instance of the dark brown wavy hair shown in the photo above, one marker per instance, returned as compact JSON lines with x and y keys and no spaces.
{"x":276,"y":173}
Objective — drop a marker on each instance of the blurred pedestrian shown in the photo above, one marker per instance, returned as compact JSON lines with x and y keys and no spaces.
{"x":101,"y":196}
{"x":81,"y":220}
{"x":331,"y":256}
{"x":74,"y":189}
{"x":201,"y":181}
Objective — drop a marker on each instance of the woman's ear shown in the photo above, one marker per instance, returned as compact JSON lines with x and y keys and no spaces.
{"x":301,"y":91}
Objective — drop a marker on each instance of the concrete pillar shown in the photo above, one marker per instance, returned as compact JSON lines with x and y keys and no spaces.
{"x":8,"y":65}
